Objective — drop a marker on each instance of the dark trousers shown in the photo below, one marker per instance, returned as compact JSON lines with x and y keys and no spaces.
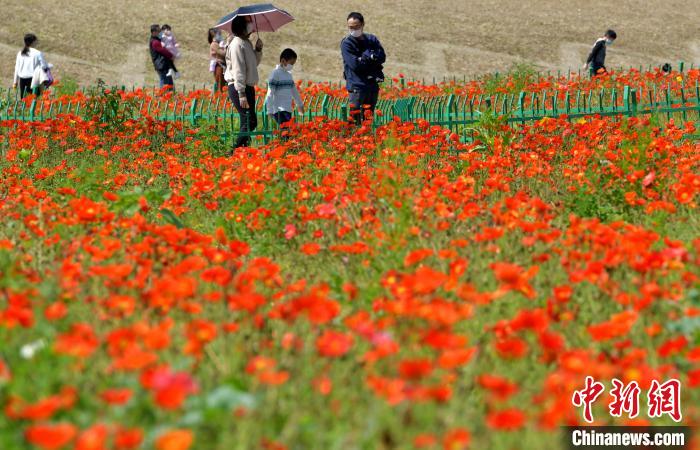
{"x":171,"y":65}
{"x":282,"y":117}
{"x":219,"y":81}
{"x":165,"y":80}
{"x":249,"y":119}
{"x":25,"y":87}
{"x":594,"y":71}
{"x":362,"y":100}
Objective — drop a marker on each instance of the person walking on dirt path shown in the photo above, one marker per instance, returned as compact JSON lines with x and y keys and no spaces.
{"x":241,"y":74}
{"x":363,"y":59}
{"x":596,"y":59}
{"x":217,"y":58}
{"x":28,"y":60}
{"x":161,"y":57}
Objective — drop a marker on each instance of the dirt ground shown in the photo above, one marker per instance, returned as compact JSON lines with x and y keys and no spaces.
{"x":87,"y":39}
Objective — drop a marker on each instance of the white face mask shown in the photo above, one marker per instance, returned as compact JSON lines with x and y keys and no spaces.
{"x":249,"y":28}
{"x":355,"y":33}
{"x":288,"y":67}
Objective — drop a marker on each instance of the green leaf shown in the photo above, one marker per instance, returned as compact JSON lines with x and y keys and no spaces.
{"x":171,"y":218}
{"x":227,"y":398}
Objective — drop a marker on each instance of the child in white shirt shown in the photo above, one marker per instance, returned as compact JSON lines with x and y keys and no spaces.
{"x":281,"y":89}
{"x":170,"y":43}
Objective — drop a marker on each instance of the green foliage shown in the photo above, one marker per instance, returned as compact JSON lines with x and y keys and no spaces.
{"x":109,"y":107}
{"x":689,"y":326}
{"x":130,"y":201}
{"x":514,"y":80}
{"x":67,"y":85}
{"x":607,"y":206}
{"x":490,"y":127}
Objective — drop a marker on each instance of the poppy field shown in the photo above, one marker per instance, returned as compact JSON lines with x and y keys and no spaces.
{"x":394,"y":287}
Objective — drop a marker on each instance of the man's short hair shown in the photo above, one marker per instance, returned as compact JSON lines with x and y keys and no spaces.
{"x":155,"y":28}
{"x":611,"y":34}
{"x":356,"y":16}
{"x":288,"y":54}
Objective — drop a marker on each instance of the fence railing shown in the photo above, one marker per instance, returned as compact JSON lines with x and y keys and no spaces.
{"x":402,"y":81}
{"x":452,"y":111}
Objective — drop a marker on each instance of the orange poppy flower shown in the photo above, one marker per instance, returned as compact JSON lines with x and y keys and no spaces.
{"x":94,"y":438}
{"x":175,"y":440}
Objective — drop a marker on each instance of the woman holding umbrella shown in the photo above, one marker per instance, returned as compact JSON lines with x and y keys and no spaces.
{"x":242,"y":60}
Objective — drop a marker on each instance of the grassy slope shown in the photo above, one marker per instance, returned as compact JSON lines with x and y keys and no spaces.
{"x":88,"y":39}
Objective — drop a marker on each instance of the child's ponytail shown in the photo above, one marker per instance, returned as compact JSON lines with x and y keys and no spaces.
{"x":29,"y":40}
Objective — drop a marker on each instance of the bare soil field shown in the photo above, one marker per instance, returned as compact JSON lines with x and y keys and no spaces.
{"x":87,"y":39}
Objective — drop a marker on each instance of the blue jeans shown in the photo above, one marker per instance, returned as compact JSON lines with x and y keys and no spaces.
{"x":165,"y":80}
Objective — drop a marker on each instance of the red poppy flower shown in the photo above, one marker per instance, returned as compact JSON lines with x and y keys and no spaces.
{"x":51,"y":436}
{"x":333,"y":344}
{"x":508,"y":419}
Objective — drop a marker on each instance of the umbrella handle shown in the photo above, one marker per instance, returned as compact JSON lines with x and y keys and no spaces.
{"x":257,"y":33}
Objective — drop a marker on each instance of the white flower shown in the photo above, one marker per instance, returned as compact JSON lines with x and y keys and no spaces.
{"x":29,"y":350}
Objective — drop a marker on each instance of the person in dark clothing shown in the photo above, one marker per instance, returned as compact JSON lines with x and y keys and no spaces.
{"x":363,"y":59}
{"x":161,"y":57}
{"x":596,"y":59}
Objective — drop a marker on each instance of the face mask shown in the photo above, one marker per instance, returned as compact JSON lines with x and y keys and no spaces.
{"x":608,"y":42}
{"x":249,"y":28}
{"x":356,"y":33}
{"x":289,"y":67}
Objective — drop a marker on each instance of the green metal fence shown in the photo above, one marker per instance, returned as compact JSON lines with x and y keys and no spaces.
{"x":453,"y":111}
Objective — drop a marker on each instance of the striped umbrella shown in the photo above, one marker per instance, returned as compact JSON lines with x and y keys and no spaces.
{"x":265,"y":17}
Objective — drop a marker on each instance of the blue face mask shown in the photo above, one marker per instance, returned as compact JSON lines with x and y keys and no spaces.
{"x":609,"y":42}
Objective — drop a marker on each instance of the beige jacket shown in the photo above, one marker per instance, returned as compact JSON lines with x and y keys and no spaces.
{"x":242,"y":64}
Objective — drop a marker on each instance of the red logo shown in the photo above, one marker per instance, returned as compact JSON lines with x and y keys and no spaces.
{"x":586,"y":396}
{"x":662,"y":399}
{"x":625,"y":399}
{"x":665,"y":399}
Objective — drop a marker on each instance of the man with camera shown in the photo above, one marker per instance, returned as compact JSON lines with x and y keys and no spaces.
{"x":363,"y":59}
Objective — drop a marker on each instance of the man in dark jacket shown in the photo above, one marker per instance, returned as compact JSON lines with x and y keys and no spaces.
{"x":160,"y":56}
{"x":363,"y":59}
{"x":596,"y":59}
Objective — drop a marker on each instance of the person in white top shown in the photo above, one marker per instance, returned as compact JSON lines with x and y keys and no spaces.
{"x":28,"y":59}
{"x":281,"y":89}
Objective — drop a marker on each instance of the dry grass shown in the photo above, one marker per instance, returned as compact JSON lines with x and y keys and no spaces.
{"x":87,"y":39}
